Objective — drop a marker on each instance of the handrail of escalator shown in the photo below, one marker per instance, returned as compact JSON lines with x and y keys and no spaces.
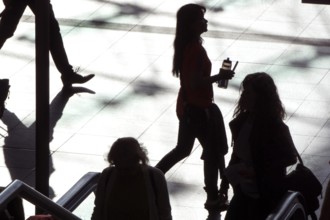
{"x":19,"y":188}
{"x":290,"y":207}
{"x":79,"y":192}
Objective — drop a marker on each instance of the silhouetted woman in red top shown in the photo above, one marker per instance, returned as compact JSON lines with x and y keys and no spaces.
{"x":198,"y":116}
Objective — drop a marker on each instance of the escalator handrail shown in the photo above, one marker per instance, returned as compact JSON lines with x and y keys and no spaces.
{"x":79,"y":191}
{"x":290,"y":204}
{"x":21,"y":189}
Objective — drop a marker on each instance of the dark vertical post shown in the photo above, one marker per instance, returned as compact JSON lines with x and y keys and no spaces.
{"x":42,"y":97}
{"x":322,"y":2}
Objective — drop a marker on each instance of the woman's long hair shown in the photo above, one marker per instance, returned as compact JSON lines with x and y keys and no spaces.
{"x":267,"y":100}
{"x":184,"y":34}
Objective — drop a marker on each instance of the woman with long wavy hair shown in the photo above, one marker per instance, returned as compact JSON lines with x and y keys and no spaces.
{"x":262,"y":150}
{"x":199,"y":117}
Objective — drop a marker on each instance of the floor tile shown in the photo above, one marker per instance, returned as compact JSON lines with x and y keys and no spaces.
{"x":128,"y":45}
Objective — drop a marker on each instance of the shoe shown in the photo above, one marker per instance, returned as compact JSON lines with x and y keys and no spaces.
{"x":68,"y":80}
{"x":4,"y":91}
{"x":220,"y":204}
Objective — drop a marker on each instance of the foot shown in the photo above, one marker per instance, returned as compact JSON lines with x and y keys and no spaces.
{"x":68,"y":80}
{"x":220,"y":204}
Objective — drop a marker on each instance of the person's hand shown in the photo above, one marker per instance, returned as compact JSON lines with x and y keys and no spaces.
{"x":225,"y":74}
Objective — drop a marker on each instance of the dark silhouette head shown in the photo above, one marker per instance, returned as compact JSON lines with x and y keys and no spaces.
{"x":259,"y":95}
{"x":126,"y":153}
{"x":190,"y":25}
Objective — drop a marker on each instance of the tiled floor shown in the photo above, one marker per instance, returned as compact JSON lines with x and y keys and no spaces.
{"x":127,"y":44}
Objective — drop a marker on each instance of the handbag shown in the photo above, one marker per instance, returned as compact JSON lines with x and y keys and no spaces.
{"x":305,"y":182}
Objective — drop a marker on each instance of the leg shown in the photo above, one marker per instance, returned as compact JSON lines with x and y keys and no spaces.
{"x":57,"y":50}
{"x":10,"y":19}
{"x":215,"y":202}
{"x":224,"y":186}
{"x":56,"y":45}
{"x":218,"y":135}
{"x":211,"y":179}
{"x":59,"y":55}
{"x":184,"y":146}
{"x":214,"y":162}
{"x":210,"y":158}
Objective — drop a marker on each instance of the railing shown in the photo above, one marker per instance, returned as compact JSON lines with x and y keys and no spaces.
{"x":79,"y":192}
{"x":63,"y":207}
{"x":19,"y":188}
{"x":290,"y":208}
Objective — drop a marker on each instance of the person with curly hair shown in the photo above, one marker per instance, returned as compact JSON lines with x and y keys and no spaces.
{"x":129,"y":188}
{"x":262,"y":150}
